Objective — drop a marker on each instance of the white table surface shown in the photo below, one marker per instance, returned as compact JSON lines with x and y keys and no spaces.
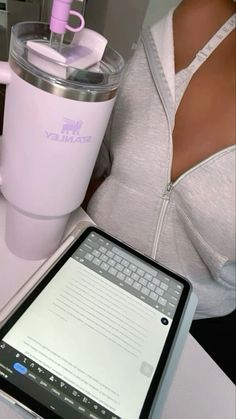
{"x":199,"y":390}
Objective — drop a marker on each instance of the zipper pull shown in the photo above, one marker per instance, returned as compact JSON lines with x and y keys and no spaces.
{"x":166,"y":194}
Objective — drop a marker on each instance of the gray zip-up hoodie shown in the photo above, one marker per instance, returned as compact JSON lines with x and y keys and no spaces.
{"x":188,"y":225}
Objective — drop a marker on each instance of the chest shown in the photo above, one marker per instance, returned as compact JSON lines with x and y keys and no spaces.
{"x":205,"y":117}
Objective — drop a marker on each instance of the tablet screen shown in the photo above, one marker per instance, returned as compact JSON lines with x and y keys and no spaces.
{"x":91,"y":341}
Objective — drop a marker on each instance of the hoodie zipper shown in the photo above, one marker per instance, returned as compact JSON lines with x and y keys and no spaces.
{"x":167,"y":192}
{"x":166,"y":199}
{"x":169,"y":188}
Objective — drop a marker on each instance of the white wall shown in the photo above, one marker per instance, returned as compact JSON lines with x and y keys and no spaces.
{"x":119,"y":21}
{"x":157,"y":9}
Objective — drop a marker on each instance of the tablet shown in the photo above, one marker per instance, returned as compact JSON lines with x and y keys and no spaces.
{"x":100,"y":335}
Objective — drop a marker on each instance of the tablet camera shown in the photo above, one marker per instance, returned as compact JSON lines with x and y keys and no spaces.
{"x":164,"y":321}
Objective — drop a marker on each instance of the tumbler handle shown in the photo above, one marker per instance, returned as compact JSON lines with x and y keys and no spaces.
{"x":5,"y":78}
{"x":5,"y":72}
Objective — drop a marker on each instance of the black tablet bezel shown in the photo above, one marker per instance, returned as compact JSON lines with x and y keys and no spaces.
{"x":35,"y":405}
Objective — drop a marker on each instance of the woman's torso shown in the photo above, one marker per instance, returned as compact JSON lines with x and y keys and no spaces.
{"x":188,"y":224}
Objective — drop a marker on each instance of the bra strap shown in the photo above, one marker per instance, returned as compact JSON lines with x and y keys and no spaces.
{"x":207,"y":50}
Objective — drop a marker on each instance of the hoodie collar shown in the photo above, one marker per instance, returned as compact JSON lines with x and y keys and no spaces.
{"x":159,"y":48}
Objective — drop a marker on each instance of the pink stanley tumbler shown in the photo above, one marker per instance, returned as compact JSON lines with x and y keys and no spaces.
{"x":54,"y":122}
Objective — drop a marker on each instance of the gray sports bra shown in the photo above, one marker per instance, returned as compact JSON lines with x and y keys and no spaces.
{"x":184,"y":76}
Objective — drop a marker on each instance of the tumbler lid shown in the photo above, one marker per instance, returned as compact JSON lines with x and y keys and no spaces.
{"x":84,"y":52}
{"x":97,"y":82}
